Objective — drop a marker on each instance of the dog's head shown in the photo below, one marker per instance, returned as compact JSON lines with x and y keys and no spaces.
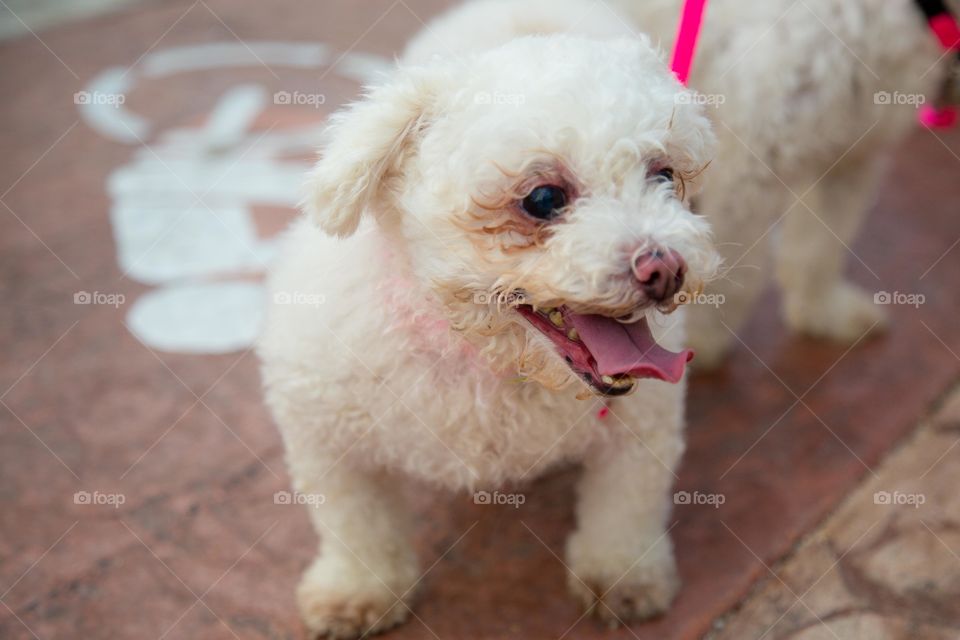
{"x":538,"y":192}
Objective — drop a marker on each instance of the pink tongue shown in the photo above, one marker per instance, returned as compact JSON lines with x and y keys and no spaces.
{"x":628,"y":348}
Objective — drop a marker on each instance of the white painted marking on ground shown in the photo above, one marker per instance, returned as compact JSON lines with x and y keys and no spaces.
{"x":181,"y":211}
{"x":111,"y":120}
{"x":215,"y":317}
{"x":223,"y":55}
{"x":236,"y":112}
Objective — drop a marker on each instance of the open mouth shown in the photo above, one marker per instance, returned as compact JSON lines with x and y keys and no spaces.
{"x":609,"y":355}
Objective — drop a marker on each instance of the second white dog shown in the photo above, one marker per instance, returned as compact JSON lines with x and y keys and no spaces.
{"x":808,"y":99}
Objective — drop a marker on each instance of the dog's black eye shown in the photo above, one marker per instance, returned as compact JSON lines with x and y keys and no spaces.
{"x":545,"y":202}
{"x":664,"y":175}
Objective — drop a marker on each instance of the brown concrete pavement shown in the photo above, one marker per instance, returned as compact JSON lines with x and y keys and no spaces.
{"x":200,"y":549}
{"x":886,"y":566}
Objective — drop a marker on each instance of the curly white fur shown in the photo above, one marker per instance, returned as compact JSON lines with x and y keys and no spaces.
{"x":416,"y":363}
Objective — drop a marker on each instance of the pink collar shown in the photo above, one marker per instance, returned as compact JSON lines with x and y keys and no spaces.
{"x":410,"y":312}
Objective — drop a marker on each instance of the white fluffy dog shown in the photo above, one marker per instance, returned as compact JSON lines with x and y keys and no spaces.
{"x":511,"y":230}
{"x":809,"y":96}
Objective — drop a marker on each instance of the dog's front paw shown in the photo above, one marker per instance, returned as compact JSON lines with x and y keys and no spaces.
{"x":344,"y":602}
{"x":845,"y":314}
{"x":622,"y":585}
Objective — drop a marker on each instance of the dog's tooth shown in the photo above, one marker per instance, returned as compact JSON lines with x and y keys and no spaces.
{"x":573,"y":335}
{"x":607,"y":380}
{"x":556,"y":318}
{"x":623,"y":382}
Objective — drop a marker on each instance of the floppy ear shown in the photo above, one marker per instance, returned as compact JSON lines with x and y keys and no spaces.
{"x":367,"y":143}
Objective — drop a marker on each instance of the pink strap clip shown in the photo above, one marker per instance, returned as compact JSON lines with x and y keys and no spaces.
{"x":945,"y":27}
{"x":688,"y":33}
{"x":937,"y":118}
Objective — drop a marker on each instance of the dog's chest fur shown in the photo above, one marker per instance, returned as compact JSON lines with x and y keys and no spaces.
{"x":417,"y":401}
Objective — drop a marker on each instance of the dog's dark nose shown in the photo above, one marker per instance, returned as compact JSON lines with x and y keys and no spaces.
{"x":660,"y":273}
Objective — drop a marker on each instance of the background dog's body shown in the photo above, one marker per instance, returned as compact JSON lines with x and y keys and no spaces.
{"x":809,"y":95}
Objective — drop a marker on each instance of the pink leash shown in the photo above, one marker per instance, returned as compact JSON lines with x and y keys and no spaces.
{"x":688,"y":33}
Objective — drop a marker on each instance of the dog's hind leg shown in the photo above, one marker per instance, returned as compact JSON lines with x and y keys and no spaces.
{"x":362,"y":580}
{"x":814,"y":245}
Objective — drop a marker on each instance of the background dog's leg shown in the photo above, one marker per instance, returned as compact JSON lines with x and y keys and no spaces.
{"x":742,"y":208}
{"x":814,"y":246}
{"x":363,"y":577}
{"x":713,"y":329}
{"x":620,"y":559}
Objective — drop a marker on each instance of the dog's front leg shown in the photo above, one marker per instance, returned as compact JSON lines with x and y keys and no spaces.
{"x":363,"y":578}
{"x":620,"y":559}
